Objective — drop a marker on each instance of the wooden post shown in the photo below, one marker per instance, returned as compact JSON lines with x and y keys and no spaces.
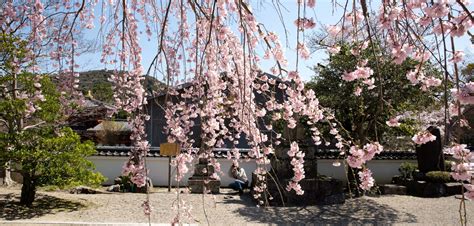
{"x":170,"y":150}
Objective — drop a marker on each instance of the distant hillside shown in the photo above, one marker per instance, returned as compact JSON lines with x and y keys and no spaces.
{"x":101,"y":89}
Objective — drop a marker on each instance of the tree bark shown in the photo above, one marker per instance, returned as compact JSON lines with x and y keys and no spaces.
{"x":353,"y":182}
{"x":28,"y":190}
{"x":7,"y":180}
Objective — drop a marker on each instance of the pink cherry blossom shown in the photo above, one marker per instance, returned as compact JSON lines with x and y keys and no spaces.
{"x":457,"y":57}
{"x":333,"y":30}
{"x":334,"y":49}
{"x":470,"y":191}
{"x":393,"y":122}
{"x":357,"y":91}
{"x":423,"y":137}
{"x":366,"y":179}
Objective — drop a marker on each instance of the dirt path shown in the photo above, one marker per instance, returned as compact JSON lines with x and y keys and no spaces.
{"x":226,"y":209}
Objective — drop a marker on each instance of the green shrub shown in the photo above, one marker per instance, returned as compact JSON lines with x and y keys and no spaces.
{"x":407,"y":169}
{"x":438,"y":177}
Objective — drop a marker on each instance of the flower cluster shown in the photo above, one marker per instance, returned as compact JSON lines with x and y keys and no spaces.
{"x":393,"y":122}
{"x":297,"y":161}
{"x":147,"y":208}
{"x":465,"y":95}
{"x":423,"y":137}
{"x":363,"y":73}
{"x":366,"y":179}
{"x":462,"y":167}
{"x":416,"y":77}
{"x":305,"y":23}
{"x":359,"y":156}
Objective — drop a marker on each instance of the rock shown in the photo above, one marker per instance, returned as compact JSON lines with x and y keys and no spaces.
{"x":453,"y":188}
{"x":84,"y":190}
{"x":197,"y":185}
{"x":147,"y":188}
{"x":434,"y":190}
{"x":118,"y":180}
{"x":417,"y":188}
{"x":114,"y":188}
{"x":393,"y":189}
{"x":397,"y":179}
{"x":430,"y":155}
{"x":417,"y":175}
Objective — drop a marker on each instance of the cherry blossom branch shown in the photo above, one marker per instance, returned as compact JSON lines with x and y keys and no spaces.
{"x":463,"y":6}
{"x":162,"y":35}
{"x":33,"y":126}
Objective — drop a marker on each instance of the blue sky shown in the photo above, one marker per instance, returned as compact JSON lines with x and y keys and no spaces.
{"x":266,"y":14}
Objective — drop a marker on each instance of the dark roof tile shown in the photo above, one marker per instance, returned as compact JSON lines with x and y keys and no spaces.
{"x":222,"y":153}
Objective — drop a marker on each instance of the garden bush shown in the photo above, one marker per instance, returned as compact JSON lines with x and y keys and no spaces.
{"x":438,"y":177}
{"x":407,"y":169}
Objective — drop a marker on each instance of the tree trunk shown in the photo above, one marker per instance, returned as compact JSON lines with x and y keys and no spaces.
{"x":7,"y":180}
{"x":28,"y":190}
{"x":353,"y":182}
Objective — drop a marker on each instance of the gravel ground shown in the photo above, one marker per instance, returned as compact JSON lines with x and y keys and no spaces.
{"x":227,"y":208}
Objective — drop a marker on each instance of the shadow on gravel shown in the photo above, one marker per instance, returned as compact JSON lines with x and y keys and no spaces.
{"x":355,"y":211}
{"x":10,"y":208}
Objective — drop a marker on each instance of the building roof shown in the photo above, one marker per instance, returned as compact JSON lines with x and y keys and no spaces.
{"x":189,"y":84}
{"x":123,"y":151}
{"x":384,"y":155}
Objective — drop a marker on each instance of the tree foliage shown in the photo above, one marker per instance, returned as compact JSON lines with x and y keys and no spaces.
{"x":33,"y":141}
{"x":52,"y":156}
{"x":365,"y":116}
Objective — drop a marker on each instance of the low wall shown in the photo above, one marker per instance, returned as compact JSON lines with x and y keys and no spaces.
{"x":382,"y":170}
{"x":111,"y":167}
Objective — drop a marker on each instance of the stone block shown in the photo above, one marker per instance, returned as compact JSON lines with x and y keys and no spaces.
{"x":453,"y":188}
{"x":393,"y":189}
{"x":434,"y":190}
{"x":114,"y":188}
{"x":418,"y":188}
{"x":118,"y":180}
{"x":203,"y":170}
{"x":199,"y":184}
{"x":84,"y":190}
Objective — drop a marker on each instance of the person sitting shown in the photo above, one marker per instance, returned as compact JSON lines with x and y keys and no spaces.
{"x":241,"y":181}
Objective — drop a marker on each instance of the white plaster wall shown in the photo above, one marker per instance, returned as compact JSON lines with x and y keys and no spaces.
{"x":111,"y":167}
{"x":382,"y":170}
